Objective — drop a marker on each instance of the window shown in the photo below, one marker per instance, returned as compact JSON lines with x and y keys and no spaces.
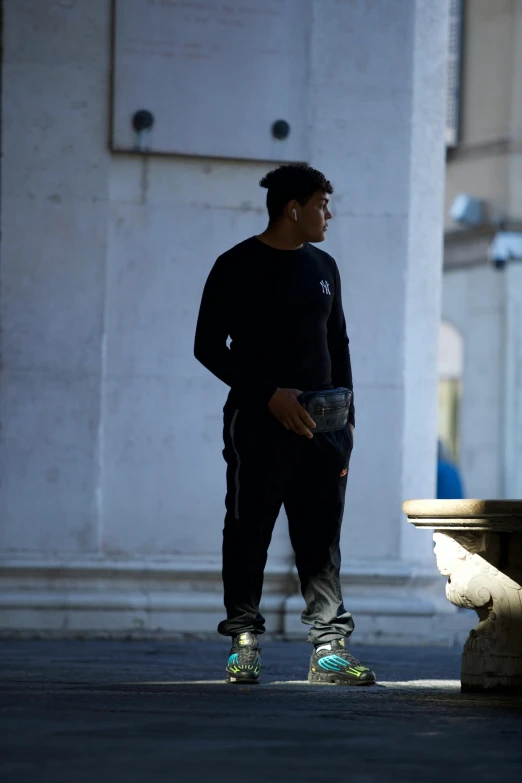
{"x":453,"y":84}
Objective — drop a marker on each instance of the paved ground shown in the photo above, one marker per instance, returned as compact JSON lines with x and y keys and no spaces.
{"x":102,"y":711}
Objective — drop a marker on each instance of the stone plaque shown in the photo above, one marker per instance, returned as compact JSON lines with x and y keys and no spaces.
{"x":219,"y":78}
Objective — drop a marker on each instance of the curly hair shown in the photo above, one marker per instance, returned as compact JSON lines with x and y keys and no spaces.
{"x":292,"y":181}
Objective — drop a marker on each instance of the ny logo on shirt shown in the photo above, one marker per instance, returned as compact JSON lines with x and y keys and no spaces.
{"x":326,"y":287}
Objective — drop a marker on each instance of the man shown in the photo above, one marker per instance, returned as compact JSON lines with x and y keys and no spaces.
{"x":278,"y":298}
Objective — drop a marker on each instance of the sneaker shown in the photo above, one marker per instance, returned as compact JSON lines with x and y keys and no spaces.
{"x":244,"y":662}
{"x":332,"y":663}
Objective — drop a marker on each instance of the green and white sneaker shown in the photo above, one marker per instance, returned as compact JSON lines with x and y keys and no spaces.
{"x":244,"y":661}
{"x":331,"y":663}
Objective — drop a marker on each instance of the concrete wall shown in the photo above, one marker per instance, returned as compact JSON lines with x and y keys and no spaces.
{"x":491,"y":117}
{"x":483,"y":303}
{"x":487,"y":70}
{"x":104,"y":260}
{"x":112,"y":477}
{"x":473,"y":301}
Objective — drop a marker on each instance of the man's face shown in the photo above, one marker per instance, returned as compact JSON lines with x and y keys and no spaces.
{"x":314,"y":217}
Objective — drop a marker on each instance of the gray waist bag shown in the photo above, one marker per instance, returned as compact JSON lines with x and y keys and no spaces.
{"x":328,"y":408}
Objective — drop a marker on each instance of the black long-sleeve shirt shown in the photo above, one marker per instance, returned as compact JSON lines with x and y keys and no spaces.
{"x":283,"y":311}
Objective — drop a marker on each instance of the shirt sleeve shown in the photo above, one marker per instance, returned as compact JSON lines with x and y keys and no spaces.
{"x":339,"y":345}
{"x":216,"y":312}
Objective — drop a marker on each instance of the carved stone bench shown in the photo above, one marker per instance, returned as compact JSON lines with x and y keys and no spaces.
{"x":478,"y":545}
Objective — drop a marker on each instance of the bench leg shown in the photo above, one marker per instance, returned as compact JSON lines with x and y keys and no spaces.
{"x":485,"y":574}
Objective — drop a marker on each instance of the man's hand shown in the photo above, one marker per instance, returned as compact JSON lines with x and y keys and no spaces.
{"x":287,"y":410}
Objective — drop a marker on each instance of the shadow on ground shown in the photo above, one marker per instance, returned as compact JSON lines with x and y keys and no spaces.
{"x":99,"y":711}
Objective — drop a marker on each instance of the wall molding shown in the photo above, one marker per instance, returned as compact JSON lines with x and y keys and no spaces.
{"x":507,"y":145}
{"x":93,"y":596}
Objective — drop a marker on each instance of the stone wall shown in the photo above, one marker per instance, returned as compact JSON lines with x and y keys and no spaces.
{"x":112,"y":477}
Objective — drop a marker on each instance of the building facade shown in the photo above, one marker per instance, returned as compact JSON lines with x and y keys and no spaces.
{"x":481,"y":302}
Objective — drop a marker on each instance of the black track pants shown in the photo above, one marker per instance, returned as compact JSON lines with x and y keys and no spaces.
{"x":268,"y":467}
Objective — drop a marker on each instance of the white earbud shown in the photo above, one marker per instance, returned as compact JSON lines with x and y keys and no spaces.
{"x":294,"y":214}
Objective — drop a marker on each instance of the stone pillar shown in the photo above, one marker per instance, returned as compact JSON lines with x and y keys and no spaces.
{"x":512,"y":407}
{"x":112,"y":477}
{"x":54,"y":199}
{"x":512,"y":472}
{"x":384,"y":66}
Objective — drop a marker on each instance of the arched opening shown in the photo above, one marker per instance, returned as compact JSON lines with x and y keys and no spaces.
{"x":451,"y":364}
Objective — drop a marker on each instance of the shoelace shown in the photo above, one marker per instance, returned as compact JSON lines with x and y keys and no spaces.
{"x":350,"y":658}
{"x":247,"y":655}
